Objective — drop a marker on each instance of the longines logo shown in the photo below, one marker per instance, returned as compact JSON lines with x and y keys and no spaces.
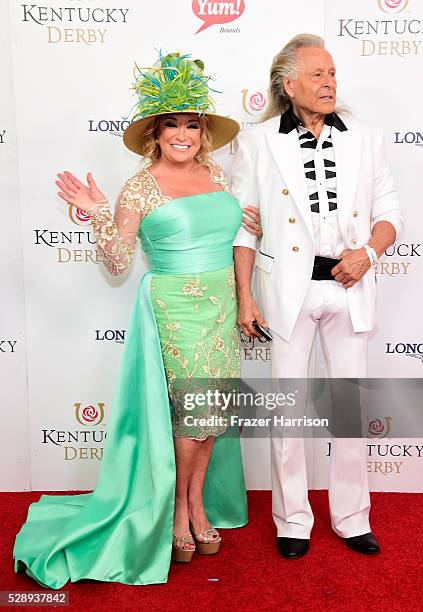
{"x":2,"y":136}
{"x":379,"y":428}
{"x":87,"y":415}
{"x":410,"y":349}
{"x":7,"y":346}
{"x":68,"y":24}
{"x":212,"y":12}
{"x":111,"y":335}
{"x":383,"y":458}
{"x":415,"y":138}
{"x":113,"y":127}
{"x":386,"y":36}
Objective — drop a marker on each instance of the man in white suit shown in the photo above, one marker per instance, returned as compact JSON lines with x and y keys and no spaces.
{"x":329,"y":209}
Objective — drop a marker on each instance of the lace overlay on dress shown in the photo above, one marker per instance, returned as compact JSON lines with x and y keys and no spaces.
{"x":195,"y":355}
{"x":116,"y":235}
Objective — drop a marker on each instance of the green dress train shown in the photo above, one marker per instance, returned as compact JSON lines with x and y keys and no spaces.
{"x":182,"y":325}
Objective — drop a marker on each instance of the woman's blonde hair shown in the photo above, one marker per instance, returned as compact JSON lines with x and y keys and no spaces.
{"x":285,"y":65}
{"x":151,"y":147}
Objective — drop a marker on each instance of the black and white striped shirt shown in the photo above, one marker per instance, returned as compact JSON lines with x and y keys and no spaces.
{"x":320,"y":175}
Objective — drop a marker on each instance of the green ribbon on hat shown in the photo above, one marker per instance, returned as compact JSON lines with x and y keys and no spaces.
{"x":175,"y":83}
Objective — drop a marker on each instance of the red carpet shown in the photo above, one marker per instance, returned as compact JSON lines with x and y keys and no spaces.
{"x":252,"y":576}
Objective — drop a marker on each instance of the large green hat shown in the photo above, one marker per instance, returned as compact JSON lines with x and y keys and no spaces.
{"x":175,"y":84}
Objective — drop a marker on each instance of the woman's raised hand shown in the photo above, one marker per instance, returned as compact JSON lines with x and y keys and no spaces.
{"x":84,"y":197}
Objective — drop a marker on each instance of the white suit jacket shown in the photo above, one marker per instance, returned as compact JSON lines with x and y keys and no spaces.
{"x":268,"y":172}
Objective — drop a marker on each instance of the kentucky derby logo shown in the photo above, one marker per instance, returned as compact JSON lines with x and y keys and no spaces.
{"x":78,"y":216}
{"x":213,"y":12}
{"x":254,"y":349}
{"x":388,"y":36}
{"x":89,"y":415}
{"x":253,"y":103}
{"x":378,"y":428}
{"x":78,"y":25}
{"x":392,"y":6}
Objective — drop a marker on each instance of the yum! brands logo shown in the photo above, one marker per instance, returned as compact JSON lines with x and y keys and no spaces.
{"x":392,"y":6}
{"x":213,"y":12}
{"x":378,"y":428}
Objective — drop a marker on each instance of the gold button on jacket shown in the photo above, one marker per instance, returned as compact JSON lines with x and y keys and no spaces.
{"x":355,"y":213}
{"x":291,"y":220}
{"x":285,"y":191}
{"x":295,"y":249}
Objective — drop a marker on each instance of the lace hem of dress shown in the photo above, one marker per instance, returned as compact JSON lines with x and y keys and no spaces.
{"x":209,"y":435}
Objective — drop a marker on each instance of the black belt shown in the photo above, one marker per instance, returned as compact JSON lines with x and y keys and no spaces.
{"x":322,"y":267}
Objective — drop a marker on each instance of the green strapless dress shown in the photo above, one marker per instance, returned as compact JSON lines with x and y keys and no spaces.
{"x":122,"y":531}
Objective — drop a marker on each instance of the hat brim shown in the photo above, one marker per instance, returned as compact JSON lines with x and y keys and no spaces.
{"x":222,"y":129}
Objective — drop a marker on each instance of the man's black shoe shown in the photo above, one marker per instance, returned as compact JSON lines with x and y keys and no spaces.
{"x":365,"y":544}
{"x":293,"y":548}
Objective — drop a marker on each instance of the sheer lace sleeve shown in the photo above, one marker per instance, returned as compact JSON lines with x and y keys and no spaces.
{"x":117,"y":236}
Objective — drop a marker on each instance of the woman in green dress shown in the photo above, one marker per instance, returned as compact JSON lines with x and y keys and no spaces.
{"x":165,"y":481}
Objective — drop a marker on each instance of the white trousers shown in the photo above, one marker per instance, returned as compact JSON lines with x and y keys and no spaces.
{"x":325,"y":308}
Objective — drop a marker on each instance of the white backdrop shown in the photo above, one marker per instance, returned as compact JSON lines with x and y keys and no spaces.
{"x":66,"y":69}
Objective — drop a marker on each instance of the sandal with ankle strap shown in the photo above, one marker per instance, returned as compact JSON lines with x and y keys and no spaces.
{"x":179,"y":553}
{"x":207,"y":542}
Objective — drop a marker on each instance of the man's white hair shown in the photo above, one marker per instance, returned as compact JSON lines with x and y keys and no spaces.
{"x":285,"y":65}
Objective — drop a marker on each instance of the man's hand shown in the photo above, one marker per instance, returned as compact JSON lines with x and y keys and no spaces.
{"x":251,"y":220}
{"x":353,"y":266}
{"x":248,"y":311}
